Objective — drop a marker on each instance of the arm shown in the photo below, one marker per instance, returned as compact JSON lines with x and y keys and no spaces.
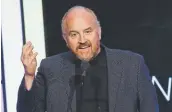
{"x":146,"y":91}
{"x":32,"y":100}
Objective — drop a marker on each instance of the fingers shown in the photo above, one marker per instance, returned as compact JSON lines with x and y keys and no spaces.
{"x":27,"y":52}
{"x":33,"y":57}
{"x":27,"y":49}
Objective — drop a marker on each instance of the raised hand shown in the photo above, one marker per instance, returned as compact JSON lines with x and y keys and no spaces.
{"x":28,"y":58}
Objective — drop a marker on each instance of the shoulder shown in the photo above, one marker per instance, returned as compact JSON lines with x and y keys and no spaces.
{"x":55,"y":59}
{"x":128,"y":60}
{"x":124,"y":55}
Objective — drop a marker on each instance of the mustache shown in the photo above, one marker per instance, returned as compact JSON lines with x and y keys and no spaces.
{"x":86,"y":44}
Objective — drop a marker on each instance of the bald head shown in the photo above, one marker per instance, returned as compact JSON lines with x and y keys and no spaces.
{"x":82,"y":32}
{"x":75,"y":12}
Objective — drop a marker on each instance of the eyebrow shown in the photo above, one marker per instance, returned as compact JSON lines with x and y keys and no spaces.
{"x":89,"y":28}
{"x":73,"y":31}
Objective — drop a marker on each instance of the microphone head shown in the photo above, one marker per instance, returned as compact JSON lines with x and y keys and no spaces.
{"x":84,"y":65}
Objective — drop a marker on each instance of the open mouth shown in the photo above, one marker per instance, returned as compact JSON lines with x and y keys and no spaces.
{"x":84,"y":47}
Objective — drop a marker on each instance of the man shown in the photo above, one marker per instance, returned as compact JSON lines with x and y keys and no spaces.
{"x":88,"y":78}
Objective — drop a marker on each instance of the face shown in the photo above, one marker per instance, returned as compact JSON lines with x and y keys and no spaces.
{"x":83,"y":36}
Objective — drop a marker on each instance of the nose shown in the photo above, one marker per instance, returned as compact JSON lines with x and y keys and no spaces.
{"x":82,"y":39}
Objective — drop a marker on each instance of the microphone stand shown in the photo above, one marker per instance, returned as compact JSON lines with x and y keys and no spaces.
{"x":84,"y":67}
{"x":82,"y":85}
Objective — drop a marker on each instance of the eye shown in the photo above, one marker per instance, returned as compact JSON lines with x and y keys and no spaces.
{"x":88,"y":31}
{"x":73,"y":34}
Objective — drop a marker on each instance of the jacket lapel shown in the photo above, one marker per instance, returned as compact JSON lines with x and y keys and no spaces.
{"x":114,"y":77}
{"x":68,"y":73}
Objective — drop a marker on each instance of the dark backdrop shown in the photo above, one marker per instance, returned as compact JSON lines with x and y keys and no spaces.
{"x":142,"y":26}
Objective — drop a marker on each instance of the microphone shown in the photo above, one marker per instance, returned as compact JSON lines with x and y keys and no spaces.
{"x":79,"y":92}
{"x":84,"y":66}
{"x":77,"y":81}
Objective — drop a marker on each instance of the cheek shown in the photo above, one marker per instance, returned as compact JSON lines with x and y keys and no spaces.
{"x":72,"y":44}
{"x":95,"y":41}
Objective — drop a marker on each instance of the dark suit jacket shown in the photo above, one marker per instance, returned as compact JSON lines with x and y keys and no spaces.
{"x":129,"y":85}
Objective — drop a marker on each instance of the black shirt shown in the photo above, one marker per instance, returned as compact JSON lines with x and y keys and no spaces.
{"x":92,"y":96}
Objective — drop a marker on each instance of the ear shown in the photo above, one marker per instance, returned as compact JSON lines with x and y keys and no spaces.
{"x":64,"y":37}
{"x":99,"y":32}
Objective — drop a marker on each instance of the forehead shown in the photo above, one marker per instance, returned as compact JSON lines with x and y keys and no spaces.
{"x":80,"y":20}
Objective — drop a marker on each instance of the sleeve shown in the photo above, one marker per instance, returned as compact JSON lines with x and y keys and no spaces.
{"x":146,"y":91}
{"x":34,"y":99}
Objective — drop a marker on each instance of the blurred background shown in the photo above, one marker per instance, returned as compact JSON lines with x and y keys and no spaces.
{"x":141,"y":26}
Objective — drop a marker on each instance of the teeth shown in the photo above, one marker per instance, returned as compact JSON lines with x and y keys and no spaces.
{"x":83,"y":47}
